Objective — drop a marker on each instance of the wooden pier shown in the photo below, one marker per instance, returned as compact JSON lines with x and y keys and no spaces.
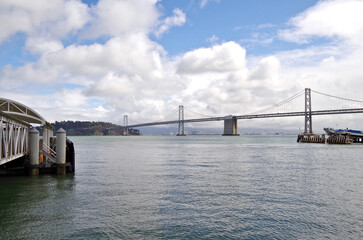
{"x":311,"y":138}
{"x":331,"y":139}
{"x":339,"y":139}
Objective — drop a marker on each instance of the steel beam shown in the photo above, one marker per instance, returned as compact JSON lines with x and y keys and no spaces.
{"x":253,"y":116}
{"x":126,"y":123}
{"x":181,"y":121}
{"x":13,"y":144}
{"x":308,"y":120}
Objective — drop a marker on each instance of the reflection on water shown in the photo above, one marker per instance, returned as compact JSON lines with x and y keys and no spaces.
{"x":199,"y":187}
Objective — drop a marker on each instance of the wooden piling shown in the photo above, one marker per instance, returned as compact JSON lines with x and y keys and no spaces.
{"x":311,"y":138}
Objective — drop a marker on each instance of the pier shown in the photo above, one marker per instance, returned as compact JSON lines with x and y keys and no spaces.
{"x":311,"y":138}
{"x":22,"y":151}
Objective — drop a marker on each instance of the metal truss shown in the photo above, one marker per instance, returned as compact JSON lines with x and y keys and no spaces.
{"x":13,"y":138}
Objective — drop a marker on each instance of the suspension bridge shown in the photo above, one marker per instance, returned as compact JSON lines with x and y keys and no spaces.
{"x":299,"y":105}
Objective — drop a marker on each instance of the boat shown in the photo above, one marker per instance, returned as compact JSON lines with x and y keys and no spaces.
{"x":344,"y":136}
{"x":353,"y":133}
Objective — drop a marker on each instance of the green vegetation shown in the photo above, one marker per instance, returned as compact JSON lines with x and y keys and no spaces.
{"x":87,"y":128}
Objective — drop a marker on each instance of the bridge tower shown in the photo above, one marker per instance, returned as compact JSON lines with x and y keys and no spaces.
{"x":126,"y":123}
{"x":308,"y":120}
{"x":181,"y":121}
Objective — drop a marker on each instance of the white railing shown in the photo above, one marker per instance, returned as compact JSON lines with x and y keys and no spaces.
{"x":49,"y":153}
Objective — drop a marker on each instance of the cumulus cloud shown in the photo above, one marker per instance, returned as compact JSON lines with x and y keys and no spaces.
{"x":267,"y":69}
{"x":40,"y":46}
{"x":41,"y":18}
{"x":332,"y":66}
{"x":178,"y":19}
{"x":94,"y":61}
{"x":219,"y":58}
{"x":117,"y":18}
{"x":333,"y":18}
{"x":128,"y":73}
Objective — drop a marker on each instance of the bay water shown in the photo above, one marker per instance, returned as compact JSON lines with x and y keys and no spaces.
{"x":193,"y":187}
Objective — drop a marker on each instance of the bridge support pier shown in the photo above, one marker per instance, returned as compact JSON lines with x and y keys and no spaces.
{"x":34,"y":152}
{"x":61,"y":152}
{"x":230,"y":126}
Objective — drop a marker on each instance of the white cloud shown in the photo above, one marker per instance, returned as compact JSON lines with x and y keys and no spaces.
{"x":39,"y":46}
{"x":41,"y":18}
{"x":203,"y":3}
{"x":265,"y":25}
{"x":118,"y":18}
{"x":219,"y":58}
{"x":267,"y":69}
{"x":131,"y":74}
{"x":334,"y":18}
{"x":213,"y":39}
{"x":178,"y":19}
{"x":93,"y":61}
{"x":101,"y":109}
{"x":332,"y":67}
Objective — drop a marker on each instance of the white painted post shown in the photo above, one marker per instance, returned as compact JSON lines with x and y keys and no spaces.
{"x":34,"y":152}
{"x":45,"y":136}
{"x":61,"y":151}
{"x":34,"y":146}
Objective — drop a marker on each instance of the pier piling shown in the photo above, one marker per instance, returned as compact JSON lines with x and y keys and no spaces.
{"x":61,"y":152}
{"x":34,"y":152}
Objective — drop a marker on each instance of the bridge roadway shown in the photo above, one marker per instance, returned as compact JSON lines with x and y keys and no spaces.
{"x":253,"y":116}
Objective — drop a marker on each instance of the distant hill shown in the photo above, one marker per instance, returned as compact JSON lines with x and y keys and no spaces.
{"x":87,"y":128}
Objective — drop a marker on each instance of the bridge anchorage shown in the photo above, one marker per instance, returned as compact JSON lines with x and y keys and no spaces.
{"x":19,"y":142}
{"x":274,"y":111}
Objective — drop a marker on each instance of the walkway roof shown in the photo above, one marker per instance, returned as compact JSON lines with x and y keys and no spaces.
{"x":20,"y":111}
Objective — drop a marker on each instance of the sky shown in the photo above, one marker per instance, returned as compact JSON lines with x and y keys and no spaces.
{"x":100,"y":60}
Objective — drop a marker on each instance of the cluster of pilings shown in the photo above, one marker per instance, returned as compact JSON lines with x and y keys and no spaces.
{"x":339,"y":139}
{"x":36,"y":155}
{"x":332,"y":139}
{"x":311,"y":138}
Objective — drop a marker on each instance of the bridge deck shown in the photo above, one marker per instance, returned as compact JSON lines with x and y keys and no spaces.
{"x":253,"y":116}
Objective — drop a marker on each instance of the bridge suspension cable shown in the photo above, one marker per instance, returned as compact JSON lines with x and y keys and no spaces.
{"x":197,"y":114}
{"x":170,"y":115}
{"x":293,"y":106}
{"x":131,"y":120}
{"x":327,"y":101}
{"x":281,"y":104}
{"x":341,"y":98}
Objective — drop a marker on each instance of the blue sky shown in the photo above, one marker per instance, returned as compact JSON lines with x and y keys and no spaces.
{"x":98,"y":60}
{"x":248,"y":21}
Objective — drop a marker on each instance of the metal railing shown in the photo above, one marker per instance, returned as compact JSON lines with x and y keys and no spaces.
{"x":49,"y":153}
{"x":13,"y":138}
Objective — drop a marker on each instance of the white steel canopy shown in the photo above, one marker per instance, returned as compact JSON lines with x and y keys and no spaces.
{"x":20,"y":111}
